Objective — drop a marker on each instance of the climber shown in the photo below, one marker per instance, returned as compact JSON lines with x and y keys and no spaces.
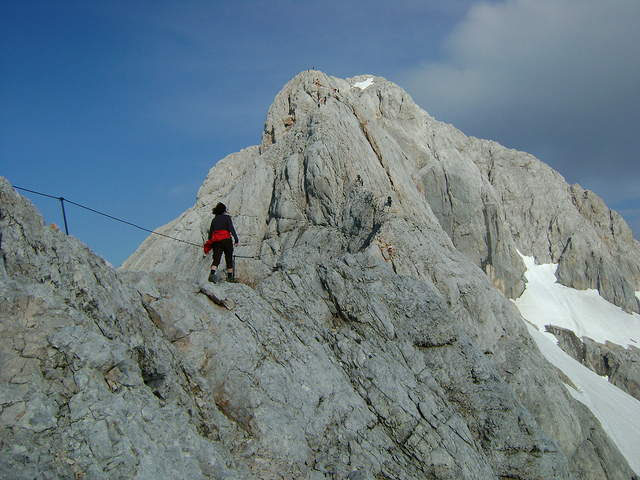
{"x":220,"y":233}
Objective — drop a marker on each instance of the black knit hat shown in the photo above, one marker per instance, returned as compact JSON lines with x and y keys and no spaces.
{"x":219,"y":209}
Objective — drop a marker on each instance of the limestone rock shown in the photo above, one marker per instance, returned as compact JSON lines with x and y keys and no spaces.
{"x":333,"y":368}
{"x":357,"y":159}
{"x":620,"y":365}
{"x":89,"y":386}
{"x":370,"y":336}
{"x":599,"y":257}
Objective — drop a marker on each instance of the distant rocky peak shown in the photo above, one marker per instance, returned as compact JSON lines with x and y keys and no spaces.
{"x":296,"y":100}
{"x":358,"y":157}
{"x":311,"y":89}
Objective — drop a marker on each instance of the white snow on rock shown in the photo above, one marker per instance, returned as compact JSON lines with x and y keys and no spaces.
{"x":364,"y":84}
{"x":584,"y":312}
{"x":546,"y":302}
{"x":618,"y":412}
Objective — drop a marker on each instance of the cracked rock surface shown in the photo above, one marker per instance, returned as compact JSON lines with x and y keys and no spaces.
{"x":327,"y":369}
{"x":362,"y":342}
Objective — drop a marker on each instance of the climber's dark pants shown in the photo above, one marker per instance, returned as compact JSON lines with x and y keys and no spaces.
{"x":223,"y":246}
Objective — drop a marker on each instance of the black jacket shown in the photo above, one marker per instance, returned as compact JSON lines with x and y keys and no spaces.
{"x":223,"y":222}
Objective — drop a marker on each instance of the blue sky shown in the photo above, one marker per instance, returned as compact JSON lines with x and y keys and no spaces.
{"x":124,"y":106}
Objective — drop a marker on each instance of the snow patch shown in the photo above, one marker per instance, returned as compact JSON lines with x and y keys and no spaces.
{"x":364,"y":84}
{"x":584,"y":312}
{"x":617,"y":412}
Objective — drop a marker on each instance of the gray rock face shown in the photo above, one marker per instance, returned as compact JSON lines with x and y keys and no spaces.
{"x":359,"y":160}
{"x":367,"y":340}
{"x":620,"y":365}
{"x":89,"y":386}
{"x":381,"y":176}
{"x":600,"y":257}
{"x":328,"y":369}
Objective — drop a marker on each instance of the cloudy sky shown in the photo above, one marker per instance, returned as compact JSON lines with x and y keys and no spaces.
{"x":125,"y":105}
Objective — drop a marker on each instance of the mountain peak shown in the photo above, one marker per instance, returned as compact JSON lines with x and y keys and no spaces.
{"x":313,"y":89}
{"x":358,"y":155}
{"x":371,"y":334}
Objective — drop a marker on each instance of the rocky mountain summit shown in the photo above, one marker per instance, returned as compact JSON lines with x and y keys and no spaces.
{"x":369,"y":164}
{"x":371,"y":336}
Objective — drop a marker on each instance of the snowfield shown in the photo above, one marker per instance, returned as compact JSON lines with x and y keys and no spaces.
{"x":584,"y":312}
{"x":364,"y":84}
{"x":546,"y":302}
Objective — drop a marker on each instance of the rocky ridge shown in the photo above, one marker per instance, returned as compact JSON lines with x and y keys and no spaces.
{"x":339,"y":369}
{"x":371,"y":166}
{"x":358,"y":160}
{"x":368,"y":340}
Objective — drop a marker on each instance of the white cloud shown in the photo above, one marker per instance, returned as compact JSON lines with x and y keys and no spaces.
{"x":578,"y":54}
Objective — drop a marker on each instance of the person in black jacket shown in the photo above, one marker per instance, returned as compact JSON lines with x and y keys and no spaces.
{"x":220,"y":233}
